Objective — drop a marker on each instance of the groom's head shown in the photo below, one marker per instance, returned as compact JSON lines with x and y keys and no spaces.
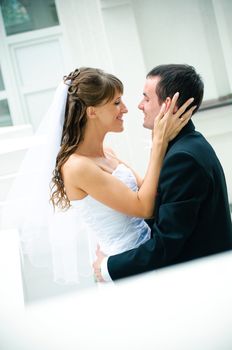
{"x":163,"y":82}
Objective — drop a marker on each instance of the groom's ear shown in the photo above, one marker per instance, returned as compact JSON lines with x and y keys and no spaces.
{"x":168,"y":103}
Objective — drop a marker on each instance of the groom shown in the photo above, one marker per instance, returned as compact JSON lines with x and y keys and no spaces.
{"x":192,"y":217}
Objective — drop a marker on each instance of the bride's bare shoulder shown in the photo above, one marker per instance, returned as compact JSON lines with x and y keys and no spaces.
{"x":77,"y":164}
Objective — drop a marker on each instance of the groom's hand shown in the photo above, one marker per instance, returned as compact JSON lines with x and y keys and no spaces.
{"x":97,"y":265}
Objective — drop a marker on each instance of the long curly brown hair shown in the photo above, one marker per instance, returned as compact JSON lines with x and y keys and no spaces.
{"x":87,"y":87}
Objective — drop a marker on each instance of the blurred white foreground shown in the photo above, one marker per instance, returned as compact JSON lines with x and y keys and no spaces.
{"x":186,"y":307}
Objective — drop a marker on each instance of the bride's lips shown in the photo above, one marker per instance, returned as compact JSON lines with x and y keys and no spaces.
{"x":120,"y":118}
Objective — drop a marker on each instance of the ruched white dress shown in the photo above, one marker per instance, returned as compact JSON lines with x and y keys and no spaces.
{"x":115,"y":232}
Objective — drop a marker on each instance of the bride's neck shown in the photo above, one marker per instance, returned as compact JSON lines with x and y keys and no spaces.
{"x":92,"y":145}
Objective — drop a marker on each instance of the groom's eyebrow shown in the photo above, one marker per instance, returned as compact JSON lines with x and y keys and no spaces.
{"x":144,"y":94}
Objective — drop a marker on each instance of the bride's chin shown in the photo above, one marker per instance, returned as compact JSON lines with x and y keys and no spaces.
{"x":121,"y":130}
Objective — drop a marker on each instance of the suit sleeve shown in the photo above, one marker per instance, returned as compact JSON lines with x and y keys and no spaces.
{"x":182,"y":190}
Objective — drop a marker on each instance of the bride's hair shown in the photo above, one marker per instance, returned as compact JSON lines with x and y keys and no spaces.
{"x":87,"y":87}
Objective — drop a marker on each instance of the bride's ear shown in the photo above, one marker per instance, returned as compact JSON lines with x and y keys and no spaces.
{"x":91,"y":113}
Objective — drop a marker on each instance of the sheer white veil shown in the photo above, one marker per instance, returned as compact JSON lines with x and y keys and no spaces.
{"x":54,"y":239}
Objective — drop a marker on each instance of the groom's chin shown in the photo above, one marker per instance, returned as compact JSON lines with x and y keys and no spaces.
{"x":147,"y":126}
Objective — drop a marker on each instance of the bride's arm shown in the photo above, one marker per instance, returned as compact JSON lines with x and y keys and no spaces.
{"x":88,"y":177}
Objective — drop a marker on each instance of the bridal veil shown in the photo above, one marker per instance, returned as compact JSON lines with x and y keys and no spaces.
{"x":50,"y":238}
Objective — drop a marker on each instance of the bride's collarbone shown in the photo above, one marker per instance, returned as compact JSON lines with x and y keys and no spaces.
{"x":106,"y":164}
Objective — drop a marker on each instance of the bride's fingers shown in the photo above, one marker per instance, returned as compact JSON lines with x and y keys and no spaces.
{"x":182,"y":109}
{"x":183,"y":120}
{"x":186,"y":116}
{"x":173,"y":102}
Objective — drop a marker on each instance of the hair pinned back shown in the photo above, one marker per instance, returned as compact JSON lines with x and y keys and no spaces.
{"x":87,"y":87}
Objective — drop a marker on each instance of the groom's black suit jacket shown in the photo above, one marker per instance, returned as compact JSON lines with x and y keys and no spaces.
{"x":192,"y":217}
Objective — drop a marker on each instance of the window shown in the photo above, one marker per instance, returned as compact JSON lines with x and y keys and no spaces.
{"x":22,"y":16}
{"x":5,"y":119}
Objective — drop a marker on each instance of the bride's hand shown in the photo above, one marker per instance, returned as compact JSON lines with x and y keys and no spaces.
{"x":168,"y":125}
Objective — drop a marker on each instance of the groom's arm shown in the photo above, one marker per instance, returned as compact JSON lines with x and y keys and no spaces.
{"x":184,"y":185}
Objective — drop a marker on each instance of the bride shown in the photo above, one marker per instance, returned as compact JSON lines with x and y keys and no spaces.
{"x":91,"y":189}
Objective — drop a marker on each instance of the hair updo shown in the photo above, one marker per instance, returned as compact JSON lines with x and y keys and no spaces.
{"x":87,"y":87}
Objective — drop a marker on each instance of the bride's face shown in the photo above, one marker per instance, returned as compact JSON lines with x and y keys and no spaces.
{"x":109,"y":116}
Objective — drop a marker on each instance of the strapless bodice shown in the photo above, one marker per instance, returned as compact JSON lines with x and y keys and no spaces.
{"x":115,"y":232}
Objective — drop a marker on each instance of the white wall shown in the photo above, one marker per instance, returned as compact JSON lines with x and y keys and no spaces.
{"x":180,"y":32}
{"x":216,"y":125}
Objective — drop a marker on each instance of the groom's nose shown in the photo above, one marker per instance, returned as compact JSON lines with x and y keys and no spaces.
{"x":140,"y":105}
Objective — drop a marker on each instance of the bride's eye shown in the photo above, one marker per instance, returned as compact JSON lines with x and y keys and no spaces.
{"x":117,"y":102}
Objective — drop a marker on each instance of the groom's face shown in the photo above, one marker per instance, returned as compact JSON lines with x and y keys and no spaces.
{"x":150,"y":103}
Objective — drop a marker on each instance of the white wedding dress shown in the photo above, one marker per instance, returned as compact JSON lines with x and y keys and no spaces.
{"x":76,"y":232}
{"x":114,"y":232}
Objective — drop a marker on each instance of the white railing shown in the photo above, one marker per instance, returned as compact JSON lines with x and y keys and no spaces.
{"x":187,"y":306}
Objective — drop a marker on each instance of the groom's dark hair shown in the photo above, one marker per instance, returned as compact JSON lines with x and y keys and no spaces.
{"x":180,"y":78}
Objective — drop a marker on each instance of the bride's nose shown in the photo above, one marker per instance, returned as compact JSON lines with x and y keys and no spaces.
{"x":124,"y":108}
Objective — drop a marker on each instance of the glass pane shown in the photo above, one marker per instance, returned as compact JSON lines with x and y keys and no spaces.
{"x":5,"y":119}
{"x":26,"y":15}
{"x":2,"y":87}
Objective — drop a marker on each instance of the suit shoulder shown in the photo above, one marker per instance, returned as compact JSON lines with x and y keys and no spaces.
{"x":193,"y":143}
{"x":196,"y":146}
